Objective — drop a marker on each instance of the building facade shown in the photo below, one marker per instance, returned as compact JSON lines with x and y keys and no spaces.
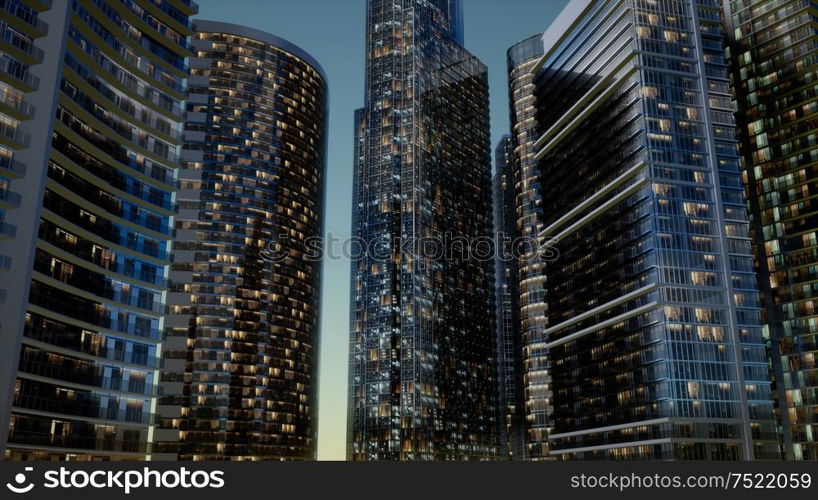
{"x":536,"y":383}
{"x":654,"y":339}
{"x":27,"y":94}
{"x":91,"y":322}
{"x":422,"y":367}
{"x":19,"y":27}
{"x":506,"y":301}
{"x":773,"y":63}
{"x":240,"y":378}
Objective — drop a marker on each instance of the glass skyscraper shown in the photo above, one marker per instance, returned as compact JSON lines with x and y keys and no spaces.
{"x":535,"y":388}
{"x":422,"y":360}
{"x":506,"y":300}
{"x":240,"y":377}
{"x":86,"y":383}
{"x":773,"y":63}
{"x":654,"y":338}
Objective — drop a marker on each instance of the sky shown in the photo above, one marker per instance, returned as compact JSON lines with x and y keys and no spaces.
{"x":333,"y":32}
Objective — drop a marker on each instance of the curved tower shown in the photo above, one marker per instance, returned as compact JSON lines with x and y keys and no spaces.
{"x":534,"y":397}
{"x":92,"y":250}
{"x":240,"y":379}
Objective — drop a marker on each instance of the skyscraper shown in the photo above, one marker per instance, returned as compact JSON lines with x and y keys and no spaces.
{"x":654,"y":338}
{"x":240,"y":378}
{"x":535,"y":389}
{"x":422,"y":383}
{"x":506,"y":300}
{"x":773,"y":70}
{"x":100,"y":195}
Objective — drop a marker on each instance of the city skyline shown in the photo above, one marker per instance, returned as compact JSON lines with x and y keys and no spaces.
{"x":168,"y":184}
{"x":286,"y":21}
{"x":490,"y":28}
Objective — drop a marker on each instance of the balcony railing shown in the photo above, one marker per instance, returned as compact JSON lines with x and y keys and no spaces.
{"x":19,"y":72}
{"x":20,"y":43}
{"x":25,"y":15}
{"x":10,"y":197}
{"x":80,"y":409}
{"x":12,"y":166}
{"x":103,"y":352}
{"x":39,"y":5}
{"x":8,"y":230}
{"x":86,"y":375}
{"x":15,"y":102}
{"x":14,"y":133}
{"x":78,"y":442}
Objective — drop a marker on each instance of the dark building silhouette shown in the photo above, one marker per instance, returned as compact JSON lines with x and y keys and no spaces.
{"x":506,"y":299}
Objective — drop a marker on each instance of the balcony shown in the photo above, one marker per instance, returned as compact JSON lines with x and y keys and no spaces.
{"x":83,"y":374}
{"x":16,"y":74}
{"x":91,"y":344}
{"x":23,"y":19}
{"x":7,"y":231}
{"x":82,"y":409}
{"x":189,"y":7}
{"x":12,"y":136}
{"x":13,"y":105}
{"x":9,"y":167}
{"x":21,"y":438}
{"x":19,"y":46}
{"x":9,"y":199}
{"x":38,"y":5}
{"x":72,"y":306}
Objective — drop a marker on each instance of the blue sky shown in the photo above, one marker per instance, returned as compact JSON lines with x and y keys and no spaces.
{"x":333,"y":32}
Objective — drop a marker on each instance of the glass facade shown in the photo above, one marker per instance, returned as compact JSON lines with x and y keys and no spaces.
{"x":422,"y":367}
{"x":773,"y":64}
{"x":536,"y":384}
{"x":654,"y":338}
{"x":240,"y":355}
{"x":87,"y":378}
{"x":506,"y":300}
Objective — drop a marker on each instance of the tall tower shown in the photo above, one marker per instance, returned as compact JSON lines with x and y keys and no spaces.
{"x":240,"y":378}
{"x":91,"y":263}
{"x":422,"y":374}
{"x":654,"y":339}
{"x":535,"y":390}
{"x":773,"y":66}
{"x":506,"y":300}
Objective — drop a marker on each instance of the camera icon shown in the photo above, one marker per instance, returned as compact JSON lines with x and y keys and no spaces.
{"x":20,"y":480}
